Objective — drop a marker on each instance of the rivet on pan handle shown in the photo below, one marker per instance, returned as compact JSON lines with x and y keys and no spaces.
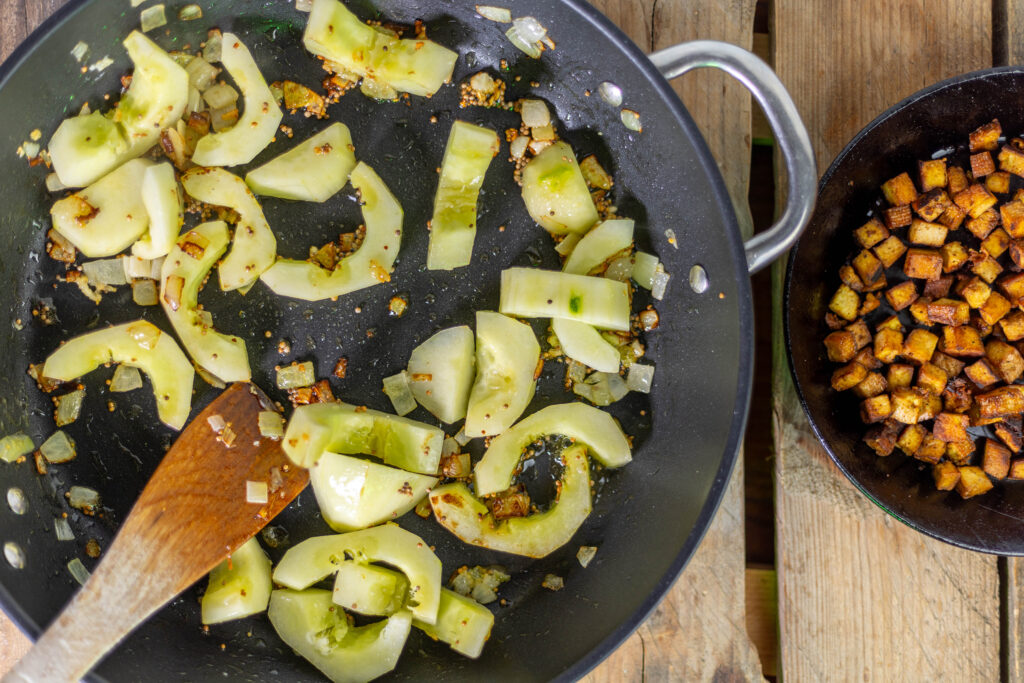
{"x":790,"y":135}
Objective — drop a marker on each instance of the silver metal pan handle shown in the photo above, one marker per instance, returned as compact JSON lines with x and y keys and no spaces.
{"x":789,"y":130}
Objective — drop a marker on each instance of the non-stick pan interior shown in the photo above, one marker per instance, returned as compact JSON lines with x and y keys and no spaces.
{"x":648,"y":516}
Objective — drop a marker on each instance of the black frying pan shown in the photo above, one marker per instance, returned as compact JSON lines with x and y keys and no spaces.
{"x":648,"y":517}
{"x":935,"y":120}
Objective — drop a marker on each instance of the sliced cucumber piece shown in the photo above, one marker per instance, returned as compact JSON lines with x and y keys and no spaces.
{"x":369,"y":589}
{"x":644,"y":268}
{"x":342,"y":428}
{"x":255,"y":246}
{"x":462,"y":622}
{"x":106,"y":217}
{"x":584,"y":424}
{"x":441,"y":371}
{"x":602,"y":242}
{"x":536,"y":535}
{"x":584,"y":344}
{"x":354,"y":494}
{"x":309,"y":623}
{"x":418,"y":67}
{"x":555,"y":193}
{"x":164,"y":206}
{"x":238,"y":586}
{"x":370,"y":265}
{"x":184,"y":270}
{"x":312,"y":171}
{"x":507,"y":354}
{"x":256,"y":126}
{"x":319,"y":557}
{"x":535,"y":293}
{"x":85,"y":148}
{"x":469,"y":152}
{"x":139,"y":344}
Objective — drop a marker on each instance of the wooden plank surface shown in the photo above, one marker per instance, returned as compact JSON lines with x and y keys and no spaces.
{"x":860,"y":594}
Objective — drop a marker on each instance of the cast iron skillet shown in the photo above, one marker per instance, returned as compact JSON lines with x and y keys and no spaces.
{"x":648,"y":517}
{"x":936,"y":120}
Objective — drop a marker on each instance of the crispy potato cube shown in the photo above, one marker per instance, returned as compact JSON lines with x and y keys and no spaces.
{"x":1000,"y":403}
{"x":976,"y":292}
{"x":973,"y":482}
{"x":982,"y":164}
{"x":1005,"y":360}
{"x":845,"y":303}
{"x":998,"y":182}
{"x":931,"y":449}
{"x":1012,"y":285}
{"x":957,"y":397}
{"x":952,"y":217}
{"x":848,"y":376}
{"x":1016,"y":469}
{"x":848,"y":276}
{"x":1011,"y":432}
{"x":995,"y":307}
{"x":949,"y":312}
{"x":905,"y":405}
{"x":937,"y":288}
{"x":946,"y":475}
{"x":833,"y":321}
{"x":873,"y":385}
{"x":981,"y":373}
{"x":1017,"y":253}
{"x":866,"y":357}
{"x":932,"y":204}
{"x":986,"y":137}
{"x":1011,"y":160}
{"x":919,"y":310}
{"x":889,"y":345}
{"x":889,"y":250}
{"x":975,"y":200}
{"x":902,"y":295}
{"x":927,"y":234}
{"x":899,"y":190}
{"x":898,"y":216}
{"x":899,"y":376}
{"x":911,"y":438}
{"x":841,"y":346}
{"x":984,"y":266}
{"x":923,"y":264}
{"x":890,"y":323}
{"x":952,"y":366}
{"x":871,"y":233}
{"x":870,"y":303}
{"x":956,"y":180}
{"x":877,"y":285}
{"x":960,"y":451}
{"x":984,"y":224}
{"x":882,"y":439}
{"x":932,"y":406}
{"x":962,"y":341}
{"x":875,"y":409}
{"x":995,"y":459}
{"x":1013,"y":326}
{"x":861,"y":333}
{"x":1012,"y":216}
{"x":953,"y":256}
{"x":996,"y":243}
{"x":932,"y":378}
{"x":949,"y":427}
{"x":919,"y":346}
{"x":868,"y":267}
{"x":932,"y":174}
{"x":983,"y":328}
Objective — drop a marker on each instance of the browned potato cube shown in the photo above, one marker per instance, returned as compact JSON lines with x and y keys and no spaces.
{"x":876,"y":408}
{"x":949,"y":427}
{"x":1011,"y":160}
{"x":833,"y":321}
{"x":911,"y":438}
{"x":975,"y":200}
{"x":953,"y":256}
{"x":845,"y":303}
{"x":1012,"y":215}
{"x":866,"y":357}
{"x":1011,"y":433}
{"x":938,"y":288}
{"x":951,"y":365}
{"x":932,"y":406}
{"x":848,"y":376}
{"x":996,"y":243}
{"x":890,"y":250}
{"x":900,"y":296}
{"x":931,"y":205}
{"x":861,"y":333}
{"x":923,"y":264}
{"x":890,"y":323}
{"x":1013,"y":326}
{"x":1013,"y":286}
{"x":960,"y":451}
{"x":919,"y":310}
{"x":868,"y":267}
{"x":927,"y":234}
{"x":984,"y":266}
{"x":973,"y":482}
{"x":898,"y":216}
{"x":952,"y":217}
{"x":871,"y":233}
{"x":875,"y":286}
{"x":899,"y":376}
{"x":956,"y":180}
{"x":931,"y":378}
{"x":976,"y":292}
{"x":899,"y":190}
{"x":981,"y":373}
{"x":962,"y":341}
{"x":932,"y":174}
{"x":873,"y":385}
{"x":995,"y":459}
{"x":998,"y":182}
{"x":919,"y":346}
{"x":889,"y":345}
{"x":983,"y":328}
{"x":986,"y":137}
{"x":956,"y":397}
{"x":905,"y":405}
{"x":1017,"y":253}
{"x":982,"y":164}
{"x":1000,"y":403}
{"x":1005,"y":360}
{"x":994,"y":308}
{"x":949,"y":312}
{"x":882,"y":439}
{"x":870,"y":303}
{"x":841,"y":346}
{"x":931,"y":449}
{"x":981,"y":226}
{"x":946,"y":476}
{"x":1016,"y":469}
{"x":849,"y":277}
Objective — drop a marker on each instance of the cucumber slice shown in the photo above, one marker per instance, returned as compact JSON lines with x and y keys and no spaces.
{"x":507,"y":353}
{"x":106,"y":217}
{"x":184,"y":271}
{"x":644,"y":268}
{"x":260,"y":114}
{"x":369,"y":589}
{"x":536,"y":535}
{"x":255,"y":246}
{"x":599,"y":244}
{"x":139,"y":344}
{"x":467,"y":155}
{"x":342,"y":428}
{"x":239,"y":586}
{"x":309,"y":623}
{"x":164,"y":206}
{"x":441,"y":371}
{"x":319,"y":557}
{"x":85,"y":148}
{"x":418,"y":67}
{"x":370,"y":265}
{"x":354,"y":494}
{"x":584,"y":344}
{"x":534,"y":293}
{"x":555,"y":193}
{"x":584,"y":424}
{"x":462,"y":622}
{"x":312,"y":171}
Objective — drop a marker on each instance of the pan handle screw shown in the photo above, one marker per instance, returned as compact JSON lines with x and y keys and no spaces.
{"x":698,"y":279}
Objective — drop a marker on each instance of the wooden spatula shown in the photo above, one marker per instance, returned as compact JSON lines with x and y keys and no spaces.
{"x":191,"y":515}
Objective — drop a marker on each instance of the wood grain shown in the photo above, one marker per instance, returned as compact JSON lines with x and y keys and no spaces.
{"x":860,"y":594}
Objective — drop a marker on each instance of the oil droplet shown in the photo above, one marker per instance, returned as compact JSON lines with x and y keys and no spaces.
{"x":14,"y":554}
{"x":16,"y":499}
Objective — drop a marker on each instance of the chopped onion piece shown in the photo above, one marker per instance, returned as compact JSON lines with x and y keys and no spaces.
{"x":101,"y":65}
{"x":201,"y":74}
{"x":152,"y":17}
{"x":212,"y":49}
{"x":601,"y":388}
{"x":304,"y":5}
{"x":14,"y":446}
{"x":53,"y":183}
{"x":220,"y":96}
{"x":271,"y":424}
{"x":502,"y":15}
{"x":449,"y":447}
{"x":69,"y":407}
{"x":78,"y":571}
{"x":517,"y":148}
{"x":135,"y":267}
{"x":58,"y":448}
{"x":83,"y":498}
{"x":531,"y":30}
{"x":109,"y":271}
{"x":644,"y":267}
{"x":126,"y":378}
{"x":640,"y":378}
{"x":585,"y":554}
{"x":553,"y":582}
{"x":538,"y":146}
{"x":190,"y":12}
{"x":535,"y":113}
{"x":631,"y":120}
{"x":30,"y":149}
{"x":620,"y":269}
{"x":398,"y":390}
{"x":144,"y":292}
{"x":195,"y":101}
{"x":616,"y":386}
{"x":80,"y":51}
{"x":217,"y":423}
{"x":256,"y":492}
{"x":482,"y":82}
{"x":295,"y":375}
{"x":516,"y":39}
{"x":63,"y":529}
{"x":660,"y":283}
{"x":462,"y":437}
{"x":577,"y":371}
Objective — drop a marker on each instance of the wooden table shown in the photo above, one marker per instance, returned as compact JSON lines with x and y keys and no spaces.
{"x":853,"y":594}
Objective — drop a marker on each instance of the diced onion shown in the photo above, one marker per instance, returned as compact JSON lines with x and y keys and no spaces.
{"x":482,"y":82}
{"x":53,"y":183}
{"x":660,"y":283}
{"x":195,"y":101}
{"x":531,"y":30}
{"x":462,"y":437}
{"x":213,"y":49}
{"x":58,"y":448}
{"x":616,"y":386}
{"x":295,"y":375}
{"x":398,"y":390}
{"x":78,"y":571}
{"x":108,"y":271}
{"x":101,"y":65}
{"x":631,"y":120}
{"x":577,"y":371}
{"x":83,"y":498}
{"x":126,"y":378}
{"x":535,"y":113}
{"x":585,"y":554}
{"x":30,"y":149}
{"x":271,"y":424}
{"x":538,"y":146}
{"x":69,"y":407}
{"x":80,"y":51}
{"x":601,"y":388}
{"x":217,"y":423}
{"x":644,"y":267}
{"x":152,"y":17}
{"x":517,"y":148}
{"x":502,"y":15}
{"x":15,"y":446}
{"x":135,"y":267}
{"x":201,"y":74}
{"x":220,"y":96}
{"x":256,"y":492}
{"x":640,"y":378}
{"x":144,"y":292}
{"x":515,"y":37}
{"x":553,"y":582}
{"x":63,"y":529}
{"x":620,"y":269}
{"x":190,"y":12}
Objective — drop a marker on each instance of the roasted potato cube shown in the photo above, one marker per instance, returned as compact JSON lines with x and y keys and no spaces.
{"x":899,"y":376}
{"x":962,"y":341}
{"x":1000,"y":403}
{"x":833,"y":321}
{"x":1012,"y":215}
{"x":982,"y":164}
{"x":951,"y":365}
{"x":952,"y":217}
{"x":931,"y":205}
{"x":1013,"y":326}
{"x":973,"y":482}
{"x":1011,"y":433}
{"x":919,"y":346}
{"x":898,"y":216}
{"x":975,"y":200}
{"x":841,"y":346}
{"x":998,"y":182}
{"x":889,"y":250}
{"x":984,"y":266}
{"x":949,"y":427}
{"x":905,"y":405}
{"x":938,"y":288}
{"x":861,"y":333}
{"x":953,"y":256}
{"x":949,"y":312}
{"x":1005,"y":360}
{"x":996,"y":306}
{"x":866,"y":357}
{"x":911,"y":438}
{"x":986,"y":137}
{"x":873,"y":385}
{"x":919,"y":310}
{"x":995,"y":459}
{"x":882,"y":439}
{"x":899,"y":190}
{"x":996,"y":243}
{"x":889,"y":345}
{"x":931,"y":407}
{"x":956,"y":180}
{"x":1016,"y":469}
{"x":976,"y":292}
{"x":931,"y":449}
{"x":981,"y":373}
{"x":946,"y":476}
{"x":901,"y":296}
{"x":890,"y":323}
{"x":923,"y":264}
{"x":960,"y":451}
{"x":845,"y":303}
{"x":875,"y":409}
{"x":868,"y":267}
{"x":870,"y":303}
{"x":1011,"y":160}
{"x":1017,"y":253}
{"x":932,"y":174}
{"x":983,"y":328}
{"x":956,"y":397}
{"x":931,"y":378}
{"x":1013,"y":286}
{"x":871,"y":233}
{"x":877,"y":285}
{"x":848,"y":376}
{"x":984,"y":224}
{"x":848,"y":276}
{"x":927,"y":234}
